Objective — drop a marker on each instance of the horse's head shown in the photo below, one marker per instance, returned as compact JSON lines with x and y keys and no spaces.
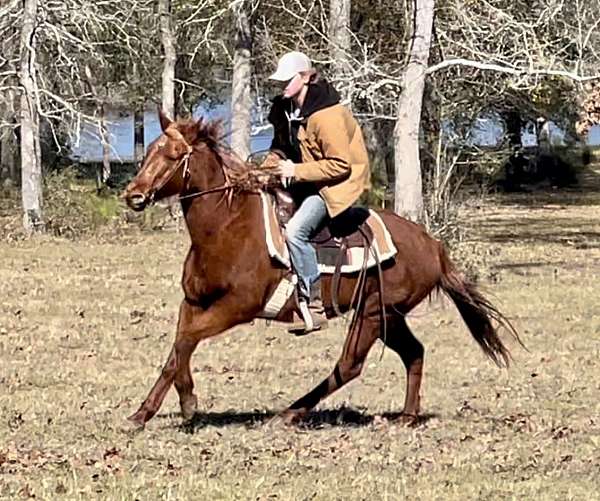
{"x":166,"y":165}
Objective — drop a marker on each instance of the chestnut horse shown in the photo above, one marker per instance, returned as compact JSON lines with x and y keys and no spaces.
{"x":228,"y":275}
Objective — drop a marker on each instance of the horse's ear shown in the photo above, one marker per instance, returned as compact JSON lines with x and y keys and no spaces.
{"x":216,"y":130}
{"x":165,"y":121}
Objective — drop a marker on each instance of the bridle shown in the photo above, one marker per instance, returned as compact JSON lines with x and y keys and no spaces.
{"x":185,"y":162}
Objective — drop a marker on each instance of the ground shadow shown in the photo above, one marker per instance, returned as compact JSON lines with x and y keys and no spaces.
{"x":340,"y":417}
{"x":542,"y":231}
{"x":584,"y":191}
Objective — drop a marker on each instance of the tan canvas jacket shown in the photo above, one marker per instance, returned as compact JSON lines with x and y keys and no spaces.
{"x":325,"y":143}
{"x":334,"y":157}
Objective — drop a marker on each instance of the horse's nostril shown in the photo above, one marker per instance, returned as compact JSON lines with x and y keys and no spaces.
{"x":136,"y":201}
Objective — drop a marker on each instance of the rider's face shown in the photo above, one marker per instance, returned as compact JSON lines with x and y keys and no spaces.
{"x":293,"y":87}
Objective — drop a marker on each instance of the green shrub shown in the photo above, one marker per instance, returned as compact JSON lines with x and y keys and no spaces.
{"x":73,"y":208}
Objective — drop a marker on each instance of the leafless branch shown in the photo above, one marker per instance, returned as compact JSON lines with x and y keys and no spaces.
{"x":510,"y":70}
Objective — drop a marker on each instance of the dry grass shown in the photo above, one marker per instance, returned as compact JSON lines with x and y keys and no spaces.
{"x":84,"y":331}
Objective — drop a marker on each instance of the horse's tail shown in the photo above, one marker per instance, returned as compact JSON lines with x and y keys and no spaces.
{"x":477,"y":312}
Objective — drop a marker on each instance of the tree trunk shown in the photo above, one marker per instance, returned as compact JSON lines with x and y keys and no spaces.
{"x":31,"y":168}
{"x":378,"y":134}
{"x":514,"y":169}
{"x":104,"y":171}
{"x":8,"y":140}
{"x":241,"y":99}
{"x":409,"y":186}
{"x":167,"y":38}
{"x":5,"y":152}
{"x":8,"y":155}
{"x":138,"y":133}
{"x":514,"y":125}
{"x":339,"y":43}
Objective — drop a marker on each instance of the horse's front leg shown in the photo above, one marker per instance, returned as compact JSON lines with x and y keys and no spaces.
{"x":188,"y":337}
{"x":194,"y":325}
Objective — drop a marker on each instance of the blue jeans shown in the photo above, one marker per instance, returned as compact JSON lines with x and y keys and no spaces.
{"x":303,"y":225}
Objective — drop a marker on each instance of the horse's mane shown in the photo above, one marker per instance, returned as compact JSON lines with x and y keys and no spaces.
{"x":242,"y":175}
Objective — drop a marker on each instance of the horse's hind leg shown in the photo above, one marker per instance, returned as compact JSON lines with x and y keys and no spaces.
{"x":400,"y":339}
{"x":356,"y":347}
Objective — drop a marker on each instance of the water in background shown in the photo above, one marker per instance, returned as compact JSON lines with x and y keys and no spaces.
{"x":486,"y":132}
{"x":88,"y":147}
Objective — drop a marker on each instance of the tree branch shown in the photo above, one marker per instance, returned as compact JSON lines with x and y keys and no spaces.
{"x":507,"y":69}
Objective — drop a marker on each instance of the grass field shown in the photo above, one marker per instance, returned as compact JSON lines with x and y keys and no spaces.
{"x":86,"y":325}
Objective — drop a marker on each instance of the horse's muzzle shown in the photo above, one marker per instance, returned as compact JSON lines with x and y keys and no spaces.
{"x":136,"y":201}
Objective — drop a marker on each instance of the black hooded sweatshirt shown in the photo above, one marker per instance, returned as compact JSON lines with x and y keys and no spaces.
{"x":320,"y":95}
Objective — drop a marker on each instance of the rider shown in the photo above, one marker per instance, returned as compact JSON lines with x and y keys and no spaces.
{"x":319,"y":148}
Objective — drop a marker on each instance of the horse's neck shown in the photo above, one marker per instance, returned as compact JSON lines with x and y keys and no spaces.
{"x":211,"y":217}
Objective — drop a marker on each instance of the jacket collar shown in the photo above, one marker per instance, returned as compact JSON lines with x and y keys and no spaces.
{"x":321,"y":94}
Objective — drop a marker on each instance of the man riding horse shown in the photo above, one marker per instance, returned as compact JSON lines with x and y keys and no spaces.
{"x":319,"y":148}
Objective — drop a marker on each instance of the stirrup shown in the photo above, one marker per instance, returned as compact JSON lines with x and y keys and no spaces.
{"x":310,"y":322}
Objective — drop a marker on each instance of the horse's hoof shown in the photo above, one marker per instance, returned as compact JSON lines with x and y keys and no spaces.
{"x":380,"y":421}
{"x":189,"y":408}
{"x":134,"y":424}
{"x":409,"y":420}
{"x":285,"y":418}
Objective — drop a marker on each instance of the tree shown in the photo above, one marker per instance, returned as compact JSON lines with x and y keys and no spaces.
{"x":138,"y":133}
{"x":8,"y":139}
{"x":408,"y":183}
{"x":31,"y":167}
{"x":105,"y":171}
{"x":168,"y":40}
{"x":10,"y":20}
{"x":514,"y":62}
{"x":339,"y":43}
{"x":241,"y":98}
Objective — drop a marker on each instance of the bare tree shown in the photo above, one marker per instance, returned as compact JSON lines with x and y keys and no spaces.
{"x":104,"y":171}
{"x":340,"y":42}
{"x":8,"y":141}
{"x":31,"y":168}
{"x":168,"y":40}
{"x":138,"y":133}
{"x":408,"y":183}
{"x":241,"y":98}
{"x":8,"y":96}
{"x":378,"y":137}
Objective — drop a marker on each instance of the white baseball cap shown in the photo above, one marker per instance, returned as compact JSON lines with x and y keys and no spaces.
{"x":289,"y":64}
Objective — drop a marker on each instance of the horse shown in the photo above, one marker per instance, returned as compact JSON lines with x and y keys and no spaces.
{"x":228,"y":274}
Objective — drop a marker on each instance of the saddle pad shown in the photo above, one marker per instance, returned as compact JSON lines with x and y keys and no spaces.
{"x":383,"y":246}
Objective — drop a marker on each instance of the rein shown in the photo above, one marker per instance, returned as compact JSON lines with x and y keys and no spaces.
{"x":225,"y":187}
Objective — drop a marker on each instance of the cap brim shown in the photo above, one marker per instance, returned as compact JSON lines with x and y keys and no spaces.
{"x":281,"y":76}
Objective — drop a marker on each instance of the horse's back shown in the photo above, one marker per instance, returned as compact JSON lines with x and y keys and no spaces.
{"x":419,"y":254}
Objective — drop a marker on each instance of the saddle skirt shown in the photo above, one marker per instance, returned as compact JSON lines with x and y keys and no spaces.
{"x":341,"y":245}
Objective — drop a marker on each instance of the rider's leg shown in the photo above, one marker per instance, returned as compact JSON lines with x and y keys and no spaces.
{"x":309,"y":217}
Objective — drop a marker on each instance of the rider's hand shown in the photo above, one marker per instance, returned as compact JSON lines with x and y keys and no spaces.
{"x":286,"y":169}
{"x":270,"y":161}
